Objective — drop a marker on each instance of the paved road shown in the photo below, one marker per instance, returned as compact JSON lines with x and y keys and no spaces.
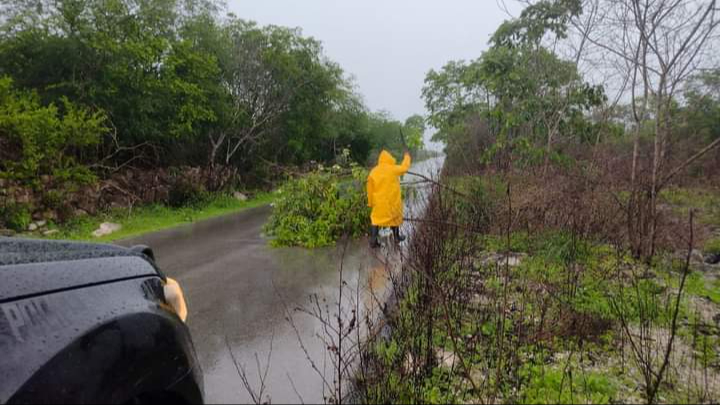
{"x":236,"y":288}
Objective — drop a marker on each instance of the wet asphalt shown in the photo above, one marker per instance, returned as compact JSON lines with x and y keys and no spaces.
{"x":239,"y":291}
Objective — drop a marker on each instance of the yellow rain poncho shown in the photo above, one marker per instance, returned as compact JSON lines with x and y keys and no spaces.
{"x":383,"y":189}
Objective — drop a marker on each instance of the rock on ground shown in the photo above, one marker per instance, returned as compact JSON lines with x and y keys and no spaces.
{"x":446,"y":358}
{"x":106,"y":228}
{"x":697,"y":256}
{"x":240,"y":196}
{"x":712,"y":258}
{"x":499,"y":259}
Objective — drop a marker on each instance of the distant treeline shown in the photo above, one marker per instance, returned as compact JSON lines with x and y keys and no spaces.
{"x":88,"y":87}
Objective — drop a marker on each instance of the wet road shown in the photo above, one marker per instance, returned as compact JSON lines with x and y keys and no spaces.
{"x":237,"y":288}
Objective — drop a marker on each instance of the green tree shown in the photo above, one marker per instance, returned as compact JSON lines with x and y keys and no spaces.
{"x":38,"y":140}
{"x":182,"y":86}
{"x":451,"y":95}
{"x":282,"y":90}
{"x":123,"y":56}
{"x":526,"y":94}
{"x":414,"y":130}
{"x":702,"y":111}
{"x":350,"y":128}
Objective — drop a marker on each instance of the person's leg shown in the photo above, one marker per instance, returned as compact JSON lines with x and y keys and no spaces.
{"x":396,"y":232}
{"x":374,"y":235}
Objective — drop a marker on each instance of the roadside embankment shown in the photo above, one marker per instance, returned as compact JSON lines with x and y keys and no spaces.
{"x":123,"y":223}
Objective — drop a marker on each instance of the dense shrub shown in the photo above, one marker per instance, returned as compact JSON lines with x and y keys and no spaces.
{"x":712,"y":246}
{"x":40,"y":140}
{"x":15,"y":216}
{"x":475,"y":198}
{"x":319,"y":208}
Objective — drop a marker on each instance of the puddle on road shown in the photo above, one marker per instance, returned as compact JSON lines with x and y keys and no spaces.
{"x":299,"y":274}
{"x":251,"y":316}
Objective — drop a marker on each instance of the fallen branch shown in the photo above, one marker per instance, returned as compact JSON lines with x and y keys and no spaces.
{"x":688,"y":162}
{"x":428,"y":221}
{"x":437,"y":183}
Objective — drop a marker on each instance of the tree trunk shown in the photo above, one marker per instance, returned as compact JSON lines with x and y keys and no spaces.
{"x":658,"y":155}
{"x":548,"y":149}
{"x":633,"y":207}
{"x":214,"y":148}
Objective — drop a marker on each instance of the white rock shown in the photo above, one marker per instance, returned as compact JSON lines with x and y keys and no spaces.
{"x":106,"y":228}
{"x":240,"y":196}
{"x":41,"y":223}
{"x":32,"y":227}
{"x":410,"y":364}
{"x":496,"y":259}
{"x":697,"y":256}
{"x":481,"y":300}
{"x":50,"y":232}
{"x":446,"y":358}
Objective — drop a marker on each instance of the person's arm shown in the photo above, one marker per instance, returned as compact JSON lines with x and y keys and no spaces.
{"x":370,"y":191}
{"x":405,"y":165}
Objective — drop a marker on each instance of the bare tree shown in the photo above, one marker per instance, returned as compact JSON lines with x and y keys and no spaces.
{"x":653,"y":47}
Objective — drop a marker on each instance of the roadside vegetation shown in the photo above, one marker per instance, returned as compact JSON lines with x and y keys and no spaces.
{"x":568,"y":253}
{"x":571,"y":254}
{"x":320,"y":207}
{"x":149,"y":218}
{"x":125,"y":103}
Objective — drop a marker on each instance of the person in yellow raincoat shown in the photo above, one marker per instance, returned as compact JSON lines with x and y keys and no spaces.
{"x":383,"y":190}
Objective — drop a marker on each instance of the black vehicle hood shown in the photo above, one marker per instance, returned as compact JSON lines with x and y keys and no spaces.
{"x":30,"y":267}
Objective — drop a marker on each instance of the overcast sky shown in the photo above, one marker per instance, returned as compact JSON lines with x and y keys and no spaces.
{"x":387,"y":45}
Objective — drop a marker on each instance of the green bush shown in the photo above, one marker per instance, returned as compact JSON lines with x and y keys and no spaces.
{"x":53,"y":199}
{"x":40,"y":140}
{"x":479,"y":198}
{"x":552,"y":385}
{"x":712,"y":246}
{"x":15,"y":216}
{"x":319,"y":208}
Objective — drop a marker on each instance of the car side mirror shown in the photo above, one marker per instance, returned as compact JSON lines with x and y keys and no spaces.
{"x":144,"y":249}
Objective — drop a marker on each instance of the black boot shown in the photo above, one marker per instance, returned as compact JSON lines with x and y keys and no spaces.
{"x":374,"y":236}
{"x":396,"y":232}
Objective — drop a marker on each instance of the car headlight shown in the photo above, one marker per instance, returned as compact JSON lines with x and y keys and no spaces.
{"x":175,"y":298}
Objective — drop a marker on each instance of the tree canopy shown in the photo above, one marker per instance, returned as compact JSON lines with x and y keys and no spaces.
{"x":178,"y":84}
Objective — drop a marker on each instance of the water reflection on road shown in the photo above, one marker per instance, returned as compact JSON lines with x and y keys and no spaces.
{"x":237,"y":288}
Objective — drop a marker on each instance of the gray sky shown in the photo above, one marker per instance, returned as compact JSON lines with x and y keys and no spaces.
{"x":387,"y":45}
